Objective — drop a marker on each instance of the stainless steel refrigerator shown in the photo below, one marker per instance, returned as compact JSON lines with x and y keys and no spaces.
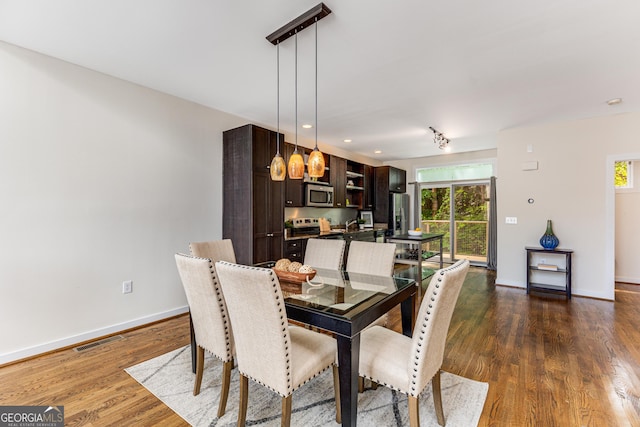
{"x":399,"y":212}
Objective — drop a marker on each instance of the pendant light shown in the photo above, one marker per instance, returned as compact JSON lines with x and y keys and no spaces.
{"x":278,"y":169}
{"x":296,"y":162}
{"x":316,"y":159}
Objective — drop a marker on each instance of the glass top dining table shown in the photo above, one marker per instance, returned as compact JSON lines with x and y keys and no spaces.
{"x":346,"y":303}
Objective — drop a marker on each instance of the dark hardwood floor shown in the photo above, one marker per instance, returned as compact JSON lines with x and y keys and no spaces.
{"x":548,"y":362}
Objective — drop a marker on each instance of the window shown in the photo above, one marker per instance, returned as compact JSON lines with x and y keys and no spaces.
{"x":623,"y":174}
{"x":455,"y":172}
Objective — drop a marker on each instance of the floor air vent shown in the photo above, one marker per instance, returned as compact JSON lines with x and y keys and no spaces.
{"x":98,"y":343}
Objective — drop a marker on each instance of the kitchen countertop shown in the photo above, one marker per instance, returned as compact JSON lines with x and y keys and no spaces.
{"x":330,"y":233}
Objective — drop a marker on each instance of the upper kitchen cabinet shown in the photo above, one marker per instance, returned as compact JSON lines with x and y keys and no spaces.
{"x":338,"y":172}
{"x":387,"y":180}
{"x":368,"y":199}
{"x":355,"y":188}
{"x":253,"y":204}
{"x":390,"y":179}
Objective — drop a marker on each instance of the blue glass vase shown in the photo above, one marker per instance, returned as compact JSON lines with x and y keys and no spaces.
{"x":549,"y":241}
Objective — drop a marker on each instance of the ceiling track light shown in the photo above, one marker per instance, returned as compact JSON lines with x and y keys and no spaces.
{"x":439,"y":139}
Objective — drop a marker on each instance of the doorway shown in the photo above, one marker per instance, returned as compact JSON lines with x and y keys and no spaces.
{"x":610,"y":221}
{"x":459,"y":210}
{"x":627,"y":206}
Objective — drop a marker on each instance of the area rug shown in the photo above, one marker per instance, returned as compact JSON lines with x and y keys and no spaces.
{"x":170,"y":379}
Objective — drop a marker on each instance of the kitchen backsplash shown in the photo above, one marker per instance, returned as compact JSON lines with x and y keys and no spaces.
{"x":337,"y":216}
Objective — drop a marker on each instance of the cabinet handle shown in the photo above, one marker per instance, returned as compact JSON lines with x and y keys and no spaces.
{"x":289,"y":202}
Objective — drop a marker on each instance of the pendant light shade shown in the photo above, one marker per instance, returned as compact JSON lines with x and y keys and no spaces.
{"x":316,"y":164}
{"x":278,"y":168}
{"x":296,"y":165}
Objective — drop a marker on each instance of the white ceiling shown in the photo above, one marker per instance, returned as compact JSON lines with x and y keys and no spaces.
{"x":387,"y":69}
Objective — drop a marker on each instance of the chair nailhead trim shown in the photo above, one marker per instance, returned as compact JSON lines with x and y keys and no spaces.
{"x":223,"y":308}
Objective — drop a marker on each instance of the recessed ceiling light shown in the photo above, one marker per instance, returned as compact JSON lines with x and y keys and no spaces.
{"x":347,"y":141}
{"x":307,"y":126}
{"x":378,"y":152}
{"x":614,"y":101}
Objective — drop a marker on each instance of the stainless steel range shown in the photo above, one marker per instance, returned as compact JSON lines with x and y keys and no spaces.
{"x":305,"y":226}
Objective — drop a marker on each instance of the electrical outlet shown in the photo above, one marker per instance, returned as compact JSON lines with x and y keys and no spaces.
{"x":127,"y":286}
{"x":511,"y":220}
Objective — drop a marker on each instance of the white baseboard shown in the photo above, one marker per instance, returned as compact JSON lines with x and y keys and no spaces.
{"x":510,"y":283}
{"x":574,"y":292}
{"x":634,"y":280}
{"x":87,"y":336}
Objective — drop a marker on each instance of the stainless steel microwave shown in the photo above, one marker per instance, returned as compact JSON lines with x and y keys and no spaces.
{"x":319,"y":196}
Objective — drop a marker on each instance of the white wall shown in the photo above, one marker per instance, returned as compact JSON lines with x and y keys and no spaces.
{"x":627,"y":267}
{"x":101,"y":181}
{"x":573,"y":187}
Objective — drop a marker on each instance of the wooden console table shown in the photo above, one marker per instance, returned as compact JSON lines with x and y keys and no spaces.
{"x":553,"y":264}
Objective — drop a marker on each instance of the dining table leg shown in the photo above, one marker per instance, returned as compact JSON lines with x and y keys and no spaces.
{"x":348,"y":363}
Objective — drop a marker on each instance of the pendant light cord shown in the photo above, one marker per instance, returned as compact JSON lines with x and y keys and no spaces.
{"x":296,"y":91}
{"x":316,"y":26}
{"x":278,"y":96}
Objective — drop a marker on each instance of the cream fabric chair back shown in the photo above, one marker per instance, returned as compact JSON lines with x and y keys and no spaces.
{"x":325,"y":253}
{"x":371,"y":258}
{"x":408,"y":364}
{"x":208,"y":309}
{"x":432,"y":324}
{"x":273,"y":353}
{"x":215,"y":250}
{"x":209,"y":318}
{"x":260,"y":324}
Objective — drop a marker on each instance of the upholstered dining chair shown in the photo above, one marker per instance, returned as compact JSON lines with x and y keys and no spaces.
{"x":215,"y":250}
{"x":271,"y":352}
{"x":325,"y":253}
{"x":407,"y":364}
{"x":209,"y":318}
{"x":371,"y":258}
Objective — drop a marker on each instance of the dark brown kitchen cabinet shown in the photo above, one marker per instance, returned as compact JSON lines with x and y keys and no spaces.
{"x":253,"y":205}
{"x":294,"y":188}
{"x":294,"y":249}
{"x":368,"y":199}
{"x":268,"y":218}
{"x":392,"y":180}
{"x":355,"y":185}
{"x":338,"y":171}
{"x":387,"y":180}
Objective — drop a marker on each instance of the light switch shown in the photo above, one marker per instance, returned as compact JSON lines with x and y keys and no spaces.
{"x":511,"y":220}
